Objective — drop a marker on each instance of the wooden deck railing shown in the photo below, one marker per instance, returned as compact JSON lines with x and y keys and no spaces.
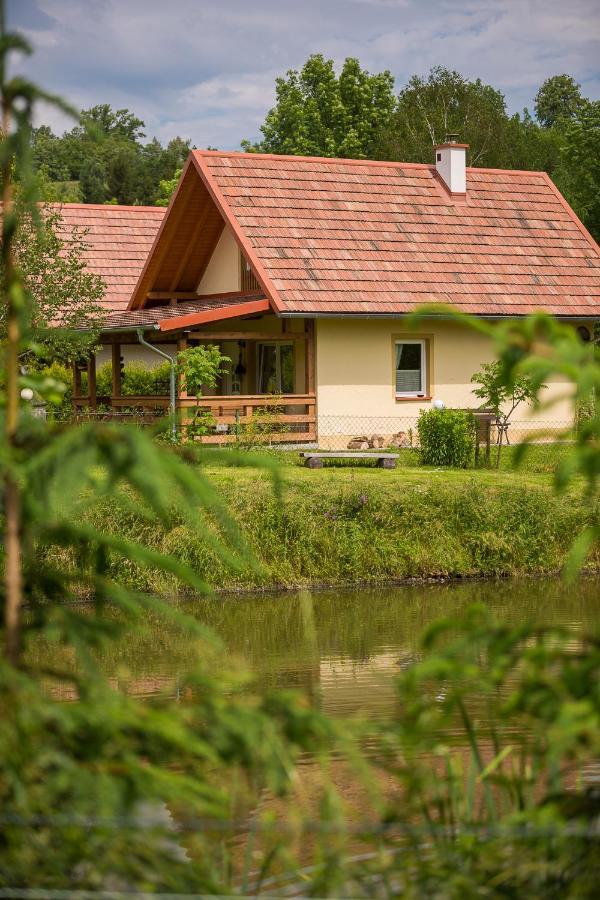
{"x":290,"y":417}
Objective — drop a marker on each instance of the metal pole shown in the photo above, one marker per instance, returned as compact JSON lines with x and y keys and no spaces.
{"x":172,"y":379}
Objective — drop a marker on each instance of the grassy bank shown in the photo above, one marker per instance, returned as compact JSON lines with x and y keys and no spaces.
{"x":341,"y":526}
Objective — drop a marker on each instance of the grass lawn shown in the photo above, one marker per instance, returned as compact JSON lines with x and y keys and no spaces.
{"x":536,"y":468}
{"x":356,"y":523}
{"x":351,"y":524}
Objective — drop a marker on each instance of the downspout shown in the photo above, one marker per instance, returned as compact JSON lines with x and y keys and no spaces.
{"x":172,"y":380}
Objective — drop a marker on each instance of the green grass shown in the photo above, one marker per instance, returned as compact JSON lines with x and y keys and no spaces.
{"x":349,"y":524}
{"x":540,"y":458}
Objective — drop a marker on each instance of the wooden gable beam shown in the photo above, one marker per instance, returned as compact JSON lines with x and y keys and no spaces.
{"x":188,"y":186}
{"x":211,"y":250}
{"x":185,"y":258}
{"x":214,"y":315}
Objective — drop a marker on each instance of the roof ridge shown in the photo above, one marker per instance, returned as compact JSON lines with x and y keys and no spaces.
{"x":103,"y":206}
{"x":336,"y":160}
{"x":333,"y":160}
{"x":506,"y":171}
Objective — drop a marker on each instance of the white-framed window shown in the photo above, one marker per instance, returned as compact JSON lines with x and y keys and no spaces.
{"x":411,"y":368}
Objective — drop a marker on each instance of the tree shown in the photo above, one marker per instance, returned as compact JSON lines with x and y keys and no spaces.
{"x":124,"y":173}
{"x":121,"y":124}
{"x":200,"y":368}
{"x":56,"y":191}
{"x":445,"y":103}
{"x":166,"y":189}
{"x":93,"y":181}
{"x":558,"y":101}
{"x":105,"y":153}
{"x":319,"y":114}
{"x":578,"y":175}
{"x":538,"y":348}
{"x":48,"y":153}
{"x":64,"y":297}
{"x":528,"y":146}
{"x":502,"y":398}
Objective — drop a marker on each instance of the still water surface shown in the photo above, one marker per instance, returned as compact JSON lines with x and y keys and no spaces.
{"x":342,"y":647}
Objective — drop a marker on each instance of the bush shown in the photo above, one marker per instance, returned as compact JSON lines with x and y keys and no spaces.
{"x":139,"y":380}
{"x":447,"y":437}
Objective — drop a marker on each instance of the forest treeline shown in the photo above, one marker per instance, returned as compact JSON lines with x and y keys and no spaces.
{"x":107,"y":159}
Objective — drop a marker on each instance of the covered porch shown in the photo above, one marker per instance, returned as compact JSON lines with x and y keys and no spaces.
{"x":267,"y":391}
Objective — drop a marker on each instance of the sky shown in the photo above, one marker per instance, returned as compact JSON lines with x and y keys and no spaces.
{"x":206,"y":69}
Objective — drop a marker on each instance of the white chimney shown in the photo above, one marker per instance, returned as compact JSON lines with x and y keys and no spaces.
{"x":451,"y":164}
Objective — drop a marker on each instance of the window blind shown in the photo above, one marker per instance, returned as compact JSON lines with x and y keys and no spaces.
{"x":409,"y":368}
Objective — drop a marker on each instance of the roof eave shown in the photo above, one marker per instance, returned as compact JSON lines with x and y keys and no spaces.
{"x":203,"y":317}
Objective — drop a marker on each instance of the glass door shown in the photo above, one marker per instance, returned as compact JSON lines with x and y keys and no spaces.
{"x":275,"y":368}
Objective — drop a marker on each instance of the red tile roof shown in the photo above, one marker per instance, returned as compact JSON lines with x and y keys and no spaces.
{"x":343,"y":236}
{"x":119,"y":239}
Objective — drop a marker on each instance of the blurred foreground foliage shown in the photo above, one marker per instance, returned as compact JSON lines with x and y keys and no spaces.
{"x":103,"y":792}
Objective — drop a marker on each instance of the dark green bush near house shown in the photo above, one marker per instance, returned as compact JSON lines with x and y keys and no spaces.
{"x":447,"y":438}
{"x":139,"y":380}
{"x":62,"y":373}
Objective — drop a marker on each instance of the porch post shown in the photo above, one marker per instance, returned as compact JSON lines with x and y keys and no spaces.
{"x":309,"y":355}
{"x":76,"y":384}
{"x":181,"y":345}
{"x":92,"y":381}
{"x":116,"y":369}
{"x":181,"y":393}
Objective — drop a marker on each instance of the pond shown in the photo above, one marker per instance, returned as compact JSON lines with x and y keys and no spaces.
{"x":341,"y":647}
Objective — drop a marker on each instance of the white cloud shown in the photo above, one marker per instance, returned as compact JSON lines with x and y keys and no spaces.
{"x":206,"y":70}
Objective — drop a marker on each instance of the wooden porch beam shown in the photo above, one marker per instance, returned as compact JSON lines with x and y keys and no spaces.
{"x":182,"y":343}
{"x":92,"y":382}
{"x":309,"y":360}
{"x":172,"y":295}
{"x":116,"y":369}
{"x":76,"y":383}
{"x":245,"y":336}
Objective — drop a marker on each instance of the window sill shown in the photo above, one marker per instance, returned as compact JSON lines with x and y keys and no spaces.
{"x":401,"y":399}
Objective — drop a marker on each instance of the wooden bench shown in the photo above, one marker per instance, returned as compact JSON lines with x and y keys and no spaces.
{"x":313,"y":459}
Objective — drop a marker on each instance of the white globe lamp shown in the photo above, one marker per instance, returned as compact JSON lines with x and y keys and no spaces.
{"x":438,"y":404}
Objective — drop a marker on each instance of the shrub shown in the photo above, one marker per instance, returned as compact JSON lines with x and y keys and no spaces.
{"x":263,"y":424}
{"x":447,"y":437}
{"x":201,"y":367}
{"x":139,"y":380}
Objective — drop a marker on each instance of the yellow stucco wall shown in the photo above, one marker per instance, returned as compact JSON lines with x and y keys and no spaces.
{"x":223,"y":271}
{"x":355,"y":373}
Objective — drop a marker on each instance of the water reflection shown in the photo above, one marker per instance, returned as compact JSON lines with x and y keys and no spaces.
{"x":341,"y":647}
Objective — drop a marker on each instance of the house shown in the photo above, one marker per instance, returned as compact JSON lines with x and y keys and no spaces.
{"x":304,"y":270}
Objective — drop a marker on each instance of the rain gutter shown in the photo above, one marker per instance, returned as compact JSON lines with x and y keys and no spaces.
{"x":172,"y":378}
